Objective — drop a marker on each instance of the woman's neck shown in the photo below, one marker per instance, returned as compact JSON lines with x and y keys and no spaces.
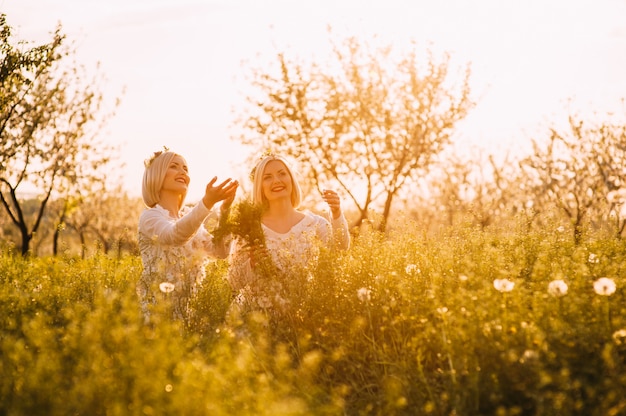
{"x":281,"y":217}
{"x":279,"y":209}
{"x":171,"y":203}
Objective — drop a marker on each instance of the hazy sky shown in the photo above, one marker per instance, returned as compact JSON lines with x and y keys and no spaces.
{"x":181,"y":62}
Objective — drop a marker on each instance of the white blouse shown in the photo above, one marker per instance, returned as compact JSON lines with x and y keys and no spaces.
{"x":293,"y":253}
{"x":175,"y":253}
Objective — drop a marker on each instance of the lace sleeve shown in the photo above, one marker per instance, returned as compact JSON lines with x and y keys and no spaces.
{"x":341,"y":232}
{"x":335,"y":232}
{"x":155,"y":223}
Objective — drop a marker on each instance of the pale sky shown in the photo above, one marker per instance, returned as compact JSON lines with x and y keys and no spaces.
{"x":180,"y":62}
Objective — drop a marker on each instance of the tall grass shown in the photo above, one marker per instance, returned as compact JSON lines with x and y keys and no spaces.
{"x":398,"y":325}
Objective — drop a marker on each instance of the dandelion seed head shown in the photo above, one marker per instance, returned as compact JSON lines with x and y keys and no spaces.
{"x":529,"y":355}
{"x":411,"y":269}
{"x":503,"y":285}
{"x":604,"y":286}
{"x":166,"y":287}
{"x":557,"y":288}
{"x":619,"y":336}
{"x":364,"y":294}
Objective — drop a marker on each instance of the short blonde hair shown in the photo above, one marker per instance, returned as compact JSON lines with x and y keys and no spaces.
{"x":154,"y":175}
{"x":257,"y":181}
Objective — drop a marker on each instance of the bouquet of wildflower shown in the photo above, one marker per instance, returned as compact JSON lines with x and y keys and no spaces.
{"x":243,"y":221}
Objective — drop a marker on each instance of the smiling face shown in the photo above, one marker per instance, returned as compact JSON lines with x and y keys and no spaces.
{"x":176,"y":177}
{"x":276,"y":181}
{"x":282,"y":172}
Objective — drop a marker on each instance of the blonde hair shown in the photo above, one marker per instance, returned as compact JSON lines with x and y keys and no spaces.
{"x":154,"y":175}
{"x":257,"y":181}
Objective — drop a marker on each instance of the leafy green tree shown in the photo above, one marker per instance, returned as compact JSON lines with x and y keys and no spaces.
{"x":371,"y":119}
{"x":49,"y":121}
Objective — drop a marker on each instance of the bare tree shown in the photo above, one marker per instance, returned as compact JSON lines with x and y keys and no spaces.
{"x":467,"y":188}
{"x":50,"y":118}
{"x":581,"y":172}
{"x":370,"y":119}
{"x":115,"y":230}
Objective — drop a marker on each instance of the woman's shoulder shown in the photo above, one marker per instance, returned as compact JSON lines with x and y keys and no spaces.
{"x":155,"y":210}
{"x":149,"y":214}
{"x":313,"y":218}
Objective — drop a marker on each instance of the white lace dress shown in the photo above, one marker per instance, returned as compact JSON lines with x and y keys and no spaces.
{"x":175,"y":253}
{"x":293,"y":253}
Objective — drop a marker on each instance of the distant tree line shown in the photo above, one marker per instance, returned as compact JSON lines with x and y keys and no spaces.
{"x":379,"y":123}
{"x":374,"y":119}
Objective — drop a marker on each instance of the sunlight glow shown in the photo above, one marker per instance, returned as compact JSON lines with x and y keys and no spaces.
{"x":183,"y":63}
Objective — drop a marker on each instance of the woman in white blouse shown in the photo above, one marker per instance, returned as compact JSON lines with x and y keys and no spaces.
{"x":293,"y":237}
{"x":174,"y":244}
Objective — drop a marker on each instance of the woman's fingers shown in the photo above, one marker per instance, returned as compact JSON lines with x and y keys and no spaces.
{"x":224,"y":190}
{"x":334,"y":202}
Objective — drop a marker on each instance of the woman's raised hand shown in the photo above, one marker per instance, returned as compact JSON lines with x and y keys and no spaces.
{"x":334,"y":202}
{"x":224,"y":191}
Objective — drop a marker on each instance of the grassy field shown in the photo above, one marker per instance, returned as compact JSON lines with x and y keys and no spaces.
{"x":464,"y":323}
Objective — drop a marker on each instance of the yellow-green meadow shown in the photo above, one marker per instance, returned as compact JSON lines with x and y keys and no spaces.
{"x":462,"y":323}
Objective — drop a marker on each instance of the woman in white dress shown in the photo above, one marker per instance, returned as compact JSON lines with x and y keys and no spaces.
{"x":174,"y":244}
{"x":292,"y":242}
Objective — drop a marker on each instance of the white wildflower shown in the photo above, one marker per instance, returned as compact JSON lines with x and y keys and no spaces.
{"x":364,"y":294}
{"x":503,"y":285}
{"x":604,"y":286}
{"x":166,"y":287}
{"x":411,"y":268}
{"x":529,"y":356}
{"x":619,"y":336}
{"x":593,"y":258}
{"x":557,"y":288}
